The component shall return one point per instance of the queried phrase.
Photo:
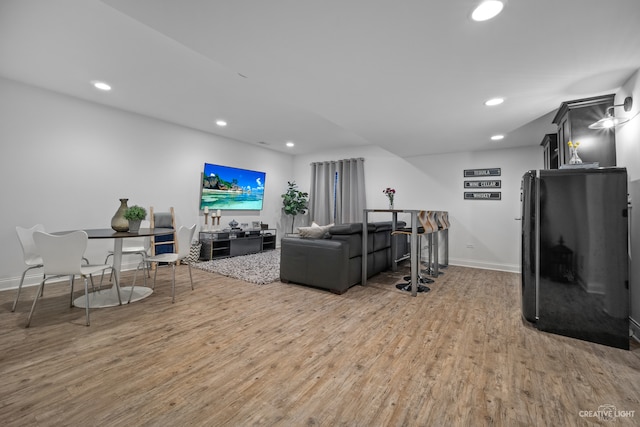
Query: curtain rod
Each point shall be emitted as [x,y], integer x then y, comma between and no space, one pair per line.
[337,161]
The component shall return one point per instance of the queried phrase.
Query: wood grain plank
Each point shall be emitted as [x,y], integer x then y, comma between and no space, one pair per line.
[233,353]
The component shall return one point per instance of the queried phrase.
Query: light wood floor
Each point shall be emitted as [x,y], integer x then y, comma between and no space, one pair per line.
[232,353]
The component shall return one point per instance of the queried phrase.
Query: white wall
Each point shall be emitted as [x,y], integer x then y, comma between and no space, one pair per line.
[436,183]
[628,155]
[66,162]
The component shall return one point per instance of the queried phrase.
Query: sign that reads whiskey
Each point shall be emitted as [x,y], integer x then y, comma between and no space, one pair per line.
[479,173]
[482,195]
[483,184]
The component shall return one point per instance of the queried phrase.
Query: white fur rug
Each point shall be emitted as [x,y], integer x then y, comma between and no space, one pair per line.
[260,268]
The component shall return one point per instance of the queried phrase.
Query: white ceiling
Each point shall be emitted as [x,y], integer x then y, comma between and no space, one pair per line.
[410,76]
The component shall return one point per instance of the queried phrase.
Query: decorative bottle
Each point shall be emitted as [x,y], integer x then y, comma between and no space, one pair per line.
[575,159]
[119,222]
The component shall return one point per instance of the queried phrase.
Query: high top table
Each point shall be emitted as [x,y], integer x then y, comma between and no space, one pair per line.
[109,297]
[415,262]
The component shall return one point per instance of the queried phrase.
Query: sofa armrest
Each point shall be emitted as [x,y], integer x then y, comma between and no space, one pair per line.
[322,263]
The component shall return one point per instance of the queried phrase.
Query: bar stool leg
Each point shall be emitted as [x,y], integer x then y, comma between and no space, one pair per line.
[421,280]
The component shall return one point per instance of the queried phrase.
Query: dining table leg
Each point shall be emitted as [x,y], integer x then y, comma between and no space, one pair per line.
[117,258]
[415,262]
[363,279]
[394,246]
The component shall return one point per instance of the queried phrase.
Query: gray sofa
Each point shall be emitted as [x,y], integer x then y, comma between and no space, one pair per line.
[334,262]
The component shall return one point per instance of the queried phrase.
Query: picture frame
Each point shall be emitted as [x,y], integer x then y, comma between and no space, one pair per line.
[482,195]
[496,183]
[481,173]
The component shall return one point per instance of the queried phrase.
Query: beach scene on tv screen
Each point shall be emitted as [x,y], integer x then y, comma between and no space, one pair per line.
[229,188]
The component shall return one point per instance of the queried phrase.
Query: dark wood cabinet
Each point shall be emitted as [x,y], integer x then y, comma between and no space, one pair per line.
[573,120]
[551,153]
[227,243]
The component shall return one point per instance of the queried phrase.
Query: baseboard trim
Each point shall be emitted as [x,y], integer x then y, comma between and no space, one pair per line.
[13,282]
[634,327]
[10,283]
[510,268]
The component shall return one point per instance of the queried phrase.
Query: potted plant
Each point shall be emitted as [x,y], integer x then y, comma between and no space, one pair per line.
[135,214]
[294,201]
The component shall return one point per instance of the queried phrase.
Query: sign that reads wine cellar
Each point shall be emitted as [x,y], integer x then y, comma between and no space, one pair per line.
[483,184]
[482,195]
[479,173]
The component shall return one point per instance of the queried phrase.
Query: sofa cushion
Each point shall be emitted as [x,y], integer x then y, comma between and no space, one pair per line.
[314,232]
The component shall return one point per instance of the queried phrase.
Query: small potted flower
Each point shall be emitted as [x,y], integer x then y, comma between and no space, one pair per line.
[135,214]
[390,193]
[573,151]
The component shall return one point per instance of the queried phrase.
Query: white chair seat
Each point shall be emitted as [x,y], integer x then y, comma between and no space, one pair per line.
[88,269]
[185,234]
[131,250]
[167,257]
[135,245]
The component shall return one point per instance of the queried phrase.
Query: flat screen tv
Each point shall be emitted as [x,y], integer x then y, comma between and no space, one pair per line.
[228,188]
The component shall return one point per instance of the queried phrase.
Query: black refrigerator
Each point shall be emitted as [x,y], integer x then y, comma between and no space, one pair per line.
[575,254]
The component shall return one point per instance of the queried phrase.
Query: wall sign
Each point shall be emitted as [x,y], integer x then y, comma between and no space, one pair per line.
[479,173]
[482,195]
[483,184]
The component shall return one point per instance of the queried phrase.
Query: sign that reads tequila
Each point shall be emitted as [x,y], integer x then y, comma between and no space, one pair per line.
[482,195]
[479,173]
[483,184]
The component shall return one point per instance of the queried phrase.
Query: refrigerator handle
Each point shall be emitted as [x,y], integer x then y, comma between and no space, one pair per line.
[537,244]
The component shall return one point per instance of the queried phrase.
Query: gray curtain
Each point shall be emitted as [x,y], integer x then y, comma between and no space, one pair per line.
[337,193]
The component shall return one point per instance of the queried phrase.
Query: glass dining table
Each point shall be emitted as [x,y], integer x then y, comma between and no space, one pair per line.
[108,297]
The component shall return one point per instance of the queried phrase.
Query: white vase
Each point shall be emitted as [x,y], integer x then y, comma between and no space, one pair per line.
[575,159]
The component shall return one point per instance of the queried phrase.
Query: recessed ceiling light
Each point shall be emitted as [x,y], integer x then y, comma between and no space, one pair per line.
[494,101]
[290,144]
[487,10]
[221,123]
[101,85]
[497,137]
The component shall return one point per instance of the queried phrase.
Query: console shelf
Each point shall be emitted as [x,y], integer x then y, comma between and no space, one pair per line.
[228,243]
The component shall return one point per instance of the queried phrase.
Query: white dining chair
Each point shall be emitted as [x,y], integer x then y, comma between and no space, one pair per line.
[133,246]
[62,256]
[30,254]
[32,258]
[185,234]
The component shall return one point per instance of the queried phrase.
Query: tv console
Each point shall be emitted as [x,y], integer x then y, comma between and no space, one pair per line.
[228,243]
